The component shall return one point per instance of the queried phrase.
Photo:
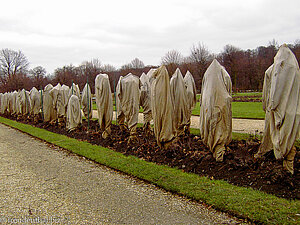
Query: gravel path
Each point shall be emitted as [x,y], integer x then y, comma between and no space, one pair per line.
[42,183]
[238,125]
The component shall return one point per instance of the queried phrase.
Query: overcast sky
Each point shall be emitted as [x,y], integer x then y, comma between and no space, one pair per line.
[55,33]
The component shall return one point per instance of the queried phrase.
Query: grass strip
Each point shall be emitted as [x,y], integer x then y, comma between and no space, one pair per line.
[240,110]
[243,202]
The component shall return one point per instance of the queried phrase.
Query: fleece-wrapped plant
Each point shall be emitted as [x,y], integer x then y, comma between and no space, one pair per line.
[128,93]
[281,102]
[86,101]
[59,96]
[191,94]
[145,101]
[74,90]
[74,118]
[48,109]
[215,112]
[162,108]
[35,99]
[104,103]
[23,100]
[14,102]
[180,102]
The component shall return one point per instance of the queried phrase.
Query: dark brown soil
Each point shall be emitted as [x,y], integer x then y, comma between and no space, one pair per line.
[190,155]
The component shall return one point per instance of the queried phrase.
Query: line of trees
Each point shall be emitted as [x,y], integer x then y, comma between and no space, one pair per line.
[246,67]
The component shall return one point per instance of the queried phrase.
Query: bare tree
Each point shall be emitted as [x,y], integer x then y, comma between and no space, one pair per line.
[12,62]
[38,76]
[200,54]
[38,72]
[172,57]
[137,64]
[108,68]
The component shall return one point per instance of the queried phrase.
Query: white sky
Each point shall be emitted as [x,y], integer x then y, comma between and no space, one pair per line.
[62,32]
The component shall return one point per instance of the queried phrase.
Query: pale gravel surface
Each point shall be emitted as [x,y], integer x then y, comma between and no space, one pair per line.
[238,125]
[39,182]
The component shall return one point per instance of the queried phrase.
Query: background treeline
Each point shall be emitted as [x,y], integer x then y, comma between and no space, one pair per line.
[246,67]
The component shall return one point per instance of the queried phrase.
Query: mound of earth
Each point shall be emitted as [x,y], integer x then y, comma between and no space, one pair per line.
[189,154]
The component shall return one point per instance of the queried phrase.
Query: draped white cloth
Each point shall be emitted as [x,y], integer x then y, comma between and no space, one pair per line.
[104,103]
[145,100]
[50,113]
[74,118]
[281,102]
[35,99]
[86,101]
[162,107]
[191,93]
[180,102]
[215,112]
[129,98]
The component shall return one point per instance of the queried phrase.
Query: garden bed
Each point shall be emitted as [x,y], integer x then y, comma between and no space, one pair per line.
[190,155]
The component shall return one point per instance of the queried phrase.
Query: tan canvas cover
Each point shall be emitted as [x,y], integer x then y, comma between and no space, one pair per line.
[129,96]
[104,103]
[162,108]
[74,118]
[18,103]
[65,94]
[215,111]
[86,101]
[191,93]
[2,103]
[145,100]
[49,111]
[35,99]
[24,102]
[14,107]
[180,102]
[118,105]
[281,101]
[59,96]
[9,103]
[150,75]
[75,91]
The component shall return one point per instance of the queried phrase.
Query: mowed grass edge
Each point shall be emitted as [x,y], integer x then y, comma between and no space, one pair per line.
[243,202]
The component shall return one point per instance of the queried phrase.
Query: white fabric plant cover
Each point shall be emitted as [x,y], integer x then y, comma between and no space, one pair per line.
[145,99]
[162,108]
[74,118]
[18,103]
[129,97]
[86,101]
[24,102]
[49,111]
[10,103]
[60,99]
[215,112]
[15,106]
[2,103]
[76,91]
[65,94]
[150,75]
[281,101]
[191,93]
[180,102]
[35,99]
[118,104]
[104,103]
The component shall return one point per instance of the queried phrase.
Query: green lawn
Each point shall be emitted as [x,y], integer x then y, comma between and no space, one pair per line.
[243,110]
[249,110]
[240,201]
